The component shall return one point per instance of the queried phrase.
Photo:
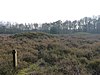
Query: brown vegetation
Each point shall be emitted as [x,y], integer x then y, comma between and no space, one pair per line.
[44,54]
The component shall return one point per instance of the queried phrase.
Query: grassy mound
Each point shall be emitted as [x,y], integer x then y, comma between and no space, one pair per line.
[32,35]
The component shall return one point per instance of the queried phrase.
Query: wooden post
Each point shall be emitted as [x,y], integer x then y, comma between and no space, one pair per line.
[14,52]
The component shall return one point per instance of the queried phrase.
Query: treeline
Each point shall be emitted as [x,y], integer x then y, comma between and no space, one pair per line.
[86,24]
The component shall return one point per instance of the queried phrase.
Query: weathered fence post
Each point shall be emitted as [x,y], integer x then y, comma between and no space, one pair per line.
[14,52]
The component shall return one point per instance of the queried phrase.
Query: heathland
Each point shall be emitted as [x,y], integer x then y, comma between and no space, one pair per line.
[49,54]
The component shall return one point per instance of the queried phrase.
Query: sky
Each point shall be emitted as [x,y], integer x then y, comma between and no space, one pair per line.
[41,11]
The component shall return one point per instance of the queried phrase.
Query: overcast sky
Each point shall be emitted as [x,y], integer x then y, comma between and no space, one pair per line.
[41,11]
